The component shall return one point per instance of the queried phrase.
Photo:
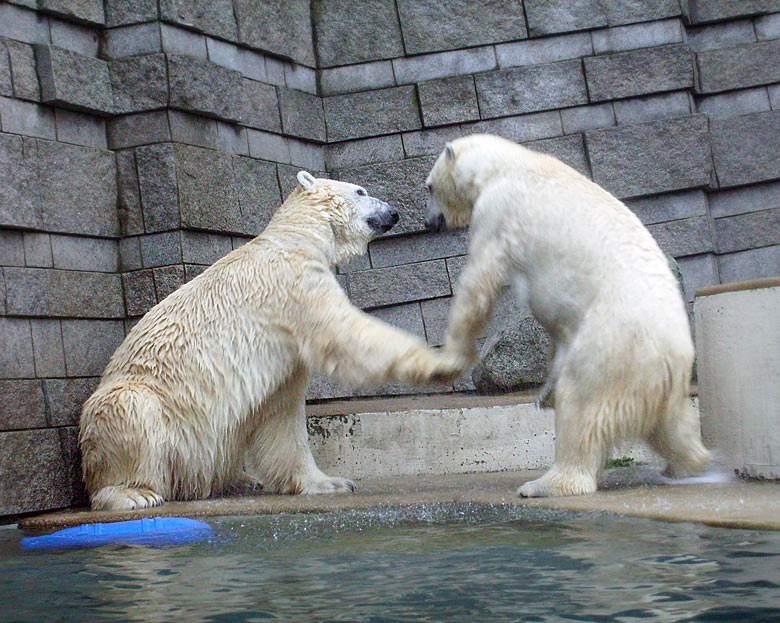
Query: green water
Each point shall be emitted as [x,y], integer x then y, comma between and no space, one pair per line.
[453,563]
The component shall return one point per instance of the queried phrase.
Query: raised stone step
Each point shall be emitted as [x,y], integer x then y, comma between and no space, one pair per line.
[443,434]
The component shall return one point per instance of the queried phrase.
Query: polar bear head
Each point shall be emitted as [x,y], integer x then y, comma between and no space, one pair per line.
[457,177]
[355,217]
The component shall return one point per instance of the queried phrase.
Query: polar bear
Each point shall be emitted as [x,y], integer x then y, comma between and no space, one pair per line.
[213,378]
[594,277]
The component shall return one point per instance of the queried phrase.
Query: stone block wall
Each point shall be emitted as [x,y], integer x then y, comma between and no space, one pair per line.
[142,140]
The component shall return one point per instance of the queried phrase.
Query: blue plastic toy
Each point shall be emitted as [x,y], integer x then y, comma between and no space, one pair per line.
[158,531]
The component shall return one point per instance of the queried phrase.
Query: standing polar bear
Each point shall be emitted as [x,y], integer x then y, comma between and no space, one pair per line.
[596,280]
[214,376]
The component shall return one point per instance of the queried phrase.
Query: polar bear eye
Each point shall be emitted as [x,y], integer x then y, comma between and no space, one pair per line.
[361,192]
[429,188]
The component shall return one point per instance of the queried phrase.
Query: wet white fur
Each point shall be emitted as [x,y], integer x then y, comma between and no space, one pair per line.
[214,376]
[596,280]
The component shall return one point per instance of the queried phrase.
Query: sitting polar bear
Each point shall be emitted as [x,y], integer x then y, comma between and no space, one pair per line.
[596,280]
[214,376]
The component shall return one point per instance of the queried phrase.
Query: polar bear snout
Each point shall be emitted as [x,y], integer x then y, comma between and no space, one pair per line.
[383,218]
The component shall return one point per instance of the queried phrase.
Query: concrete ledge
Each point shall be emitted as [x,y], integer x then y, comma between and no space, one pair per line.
[745,505]
[739,286]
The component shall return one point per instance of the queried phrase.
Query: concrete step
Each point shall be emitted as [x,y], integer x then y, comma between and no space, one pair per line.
[439,434]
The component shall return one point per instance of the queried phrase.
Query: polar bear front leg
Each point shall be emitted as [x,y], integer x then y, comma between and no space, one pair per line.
[279,456]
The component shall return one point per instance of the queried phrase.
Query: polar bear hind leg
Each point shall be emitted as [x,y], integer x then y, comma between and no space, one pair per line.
[122,466]
[279,456]
[677,438]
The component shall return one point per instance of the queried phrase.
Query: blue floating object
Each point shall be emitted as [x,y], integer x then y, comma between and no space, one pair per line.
[157,531]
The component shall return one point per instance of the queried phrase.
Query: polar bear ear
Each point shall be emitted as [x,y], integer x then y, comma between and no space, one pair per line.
[449,151]
[306,180]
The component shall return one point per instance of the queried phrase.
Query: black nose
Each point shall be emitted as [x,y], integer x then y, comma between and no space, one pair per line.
[394,216]
[435,223]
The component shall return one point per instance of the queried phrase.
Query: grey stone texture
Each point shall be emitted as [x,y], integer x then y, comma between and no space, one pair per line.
[546,50]
[302,114]
[688,236]
[89,344]
[37,250]
[364,151]
[722,35]
[27,118]
[752,264]
[23,25]
[429,142]
[192,129]
[80,129]
[650,107]
[645,35]
[371,113]
[75,37]
[448,100]
[73,80]
[214,17]
[200,86]
[282,27]
[140,295]
[746,199]
[158,188]
[180,41]
[407,317]
[521,128]
[261,106]
[739,67]
[6,82]
[361,77]
[451,24]
[16,349]
[23,405]
[748,231]
[138,129]
[547,17]
[66,397]
[698,12]
[81,253]
[168,279]
[23,70]
[410,249]
[77,189]
[139,83]
[122,12]
[48,350]
[399,284]
[744,149]
[161,249]
[651,158]
[62,293]
[582,118]
[669,207]
[411,69]
[11,248]
[568,149]
[401,184]
[356,31]
[90,11]
[734,103]
[35,472]
[529,89]
[19,194]
[638,72]
[513,358]
[131,41]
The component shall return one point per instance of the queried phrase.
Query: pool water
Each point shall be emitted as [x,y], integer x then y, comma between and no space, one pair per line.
[448,563]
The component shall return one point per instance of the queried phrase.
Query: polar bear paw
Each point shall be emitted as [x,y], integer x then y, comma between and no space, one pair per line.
[558,483]
[115,498]
[329,484]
